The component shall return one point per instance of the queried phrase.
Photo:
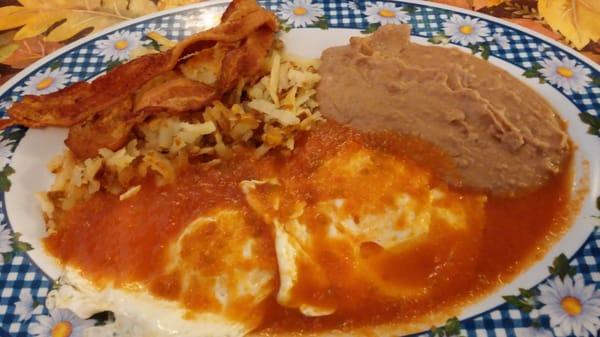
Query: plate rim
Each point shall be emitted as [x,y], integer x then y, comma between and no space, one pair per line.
[32,68]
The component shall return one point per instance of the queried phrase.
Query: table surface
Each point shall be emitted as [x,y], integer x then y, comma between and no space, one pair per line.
[30,29]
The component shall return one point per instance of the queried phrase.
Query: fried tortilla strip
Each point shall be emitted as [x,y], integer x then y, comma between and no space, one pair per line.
[178,94]
[205,66]
[225,64]
[109,129]
[6,122]
[245,62]
[241,18]
[60,108]
[81,101]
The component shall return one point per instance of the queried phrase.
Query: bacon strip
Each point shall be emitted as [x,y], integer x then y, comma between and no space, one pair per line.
[82,100]
[109,129]
[144,86]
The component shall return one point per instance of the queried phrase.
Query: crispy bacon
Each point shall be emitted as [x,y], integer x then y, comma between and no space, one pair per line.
[103,112]
[82,100]
[108,129]
[246,61]
[176,94]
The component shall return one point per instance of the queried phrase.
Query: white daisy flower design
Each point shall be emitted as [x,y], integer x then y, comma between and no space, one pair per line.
[116,46]
[566,74]
[60,323]
[26,306]
[573,307]
[5,153]
[500,40]
[5,240]
[353,6]
[466,31]
[154,28]
[385,13]
[208,18]
[45,82]
[5,105]
[300,13]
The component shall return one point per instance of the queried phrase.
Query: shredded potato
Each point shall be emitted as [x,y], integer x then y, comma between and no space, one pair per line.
[274,80]
[264,115]
[285,117]
[130,192]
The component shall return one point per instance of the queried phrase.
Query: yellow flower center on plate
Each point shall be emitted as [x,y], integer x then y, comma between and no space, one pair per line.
[571,305]
[45,83]
[300,11]
[62,329]
[564,72]
[386,13]
[466,29]
[121,44]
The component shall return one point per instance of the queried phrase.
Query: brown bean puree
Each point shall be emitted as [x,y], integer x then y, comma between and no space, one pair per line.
[501,135]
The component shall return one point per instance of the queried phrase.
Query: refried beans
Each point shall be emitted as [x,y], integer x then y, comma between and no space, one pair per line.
[501,136]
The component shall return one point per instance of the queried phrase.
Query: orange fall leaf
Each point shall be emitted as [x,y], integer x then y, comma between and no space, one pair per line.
[479,4]
[29,51]
[536,26]
[456,3]
[592,56]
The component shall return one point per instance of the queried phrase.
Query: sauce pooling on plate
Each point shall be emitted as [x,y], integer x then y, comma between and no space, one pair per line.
[350,228]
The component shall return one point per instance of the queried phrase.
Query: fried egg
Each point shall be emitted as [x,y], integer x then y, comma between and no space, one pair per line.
[159,318]
[219,267]
[366,211]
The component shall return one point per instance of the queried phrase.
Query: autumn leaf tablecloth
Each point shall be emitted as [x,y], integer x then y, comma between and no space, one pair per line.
[31,29]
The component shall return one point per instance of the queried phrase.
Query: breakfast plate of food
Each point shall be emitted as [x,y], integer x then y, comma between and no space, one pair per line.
[287,168]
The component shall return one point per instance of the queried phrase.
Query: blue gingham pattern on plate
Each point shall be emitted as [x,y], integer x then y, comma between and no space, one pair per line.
[84,62]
